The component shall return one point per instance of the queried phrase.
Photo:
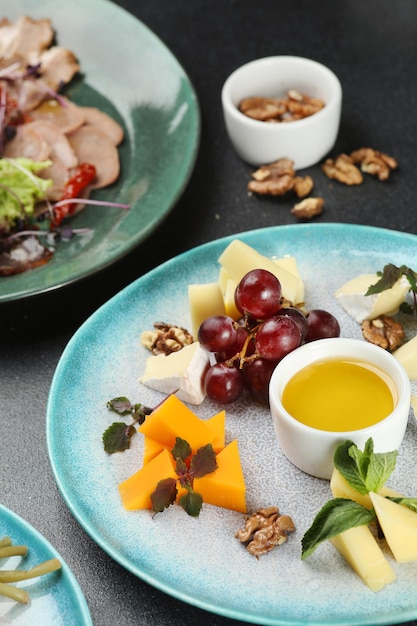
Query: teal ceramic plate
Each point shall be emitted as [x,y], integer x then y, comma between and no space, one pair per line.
[128,72]
[56,599]
[199,560]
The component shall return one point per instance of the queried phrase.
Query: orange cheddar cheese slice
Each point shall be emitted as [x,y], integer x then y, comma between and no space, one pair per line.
[152,447]
[136,490]
[225,486]
[172,419]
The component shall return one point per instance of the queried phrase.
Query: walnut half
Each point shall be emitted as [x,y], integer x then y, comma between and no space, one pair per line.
[383,331]
[166,338]
[265,529]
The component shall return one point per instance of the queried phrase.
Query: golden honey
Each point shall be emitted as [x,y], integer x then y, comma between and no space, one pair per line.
[339,395]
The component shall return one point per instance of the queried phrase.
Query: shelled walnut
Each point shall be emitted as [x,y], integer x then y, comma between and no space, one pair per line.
[295,106]
[265,529]
[308,208]
[383,331]
[278,178]
[166,338]
[343,169]
[374,162]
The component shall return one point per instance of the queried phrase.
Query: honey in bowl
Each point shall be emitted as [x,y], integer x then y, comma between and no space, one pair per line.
[339,395]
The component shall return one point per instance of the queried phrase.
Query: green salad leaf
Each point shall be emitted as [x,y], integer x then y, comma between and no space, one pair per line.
[21,188]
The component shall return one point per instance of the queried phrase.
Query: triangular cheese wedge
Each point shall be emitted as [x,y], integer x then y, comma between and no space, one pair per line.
[225,486]
[341,489]
[359,548]
[399,525]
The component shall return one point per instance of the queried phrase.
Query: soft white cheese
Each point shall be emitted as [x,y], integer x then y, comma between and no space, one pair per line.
[181,372]
[352,297]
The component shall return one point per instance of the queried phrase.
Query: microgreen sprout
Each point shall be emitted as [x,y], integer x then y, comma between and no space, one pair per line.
[118,435]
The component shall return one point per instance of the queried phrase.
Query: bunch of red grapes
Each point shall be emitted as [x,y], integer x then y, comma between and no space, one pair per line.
[245,352]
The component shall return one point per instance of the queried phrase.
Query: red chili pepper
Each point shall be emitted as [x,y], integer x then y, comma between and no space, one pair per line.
[84,175]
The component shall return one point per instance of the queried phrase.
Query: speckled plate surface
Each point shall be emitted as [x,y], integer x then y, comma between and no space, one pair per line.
[198,560]
[141,84]
[56,599]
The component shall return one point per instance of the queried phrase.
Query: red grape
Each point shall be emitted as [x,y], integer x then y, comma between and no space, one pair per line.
[236,347]
[217,333]
[223,384]
[321,325]
[258,294]
[256,376]
[298,316]
[276,337]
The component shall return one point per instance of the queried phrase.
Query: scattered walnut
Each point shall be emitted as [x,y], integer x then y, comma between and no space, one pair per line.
[278,178]
[264,530]
[383,331]
[295,106]
[308,208]
[166,338]
[343,169]
[374,162]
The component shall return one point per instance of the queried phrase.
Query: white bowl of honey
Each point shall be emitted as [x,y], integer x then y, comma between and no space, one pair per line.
[331,390]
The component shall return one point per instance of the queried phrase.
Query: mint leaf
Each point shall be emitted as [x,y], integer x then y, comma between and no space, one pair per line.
[364,471]
[164,494]
[117,437]
[334,517]
[181,450]
[191,502]
[410,503]
[203,462]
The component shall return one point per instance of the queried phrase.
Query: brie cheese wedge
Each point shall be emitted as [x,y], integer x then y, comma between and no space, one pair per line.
[180,372]
[352,297]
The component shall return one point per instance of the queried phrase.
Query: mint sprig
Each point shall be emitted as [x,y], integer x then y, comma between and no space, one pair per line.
[364,471]
[187,467]
[336,516]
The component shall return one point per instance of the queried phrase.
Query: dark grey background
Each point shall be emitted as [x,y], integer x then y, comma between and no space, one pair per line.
[372,47]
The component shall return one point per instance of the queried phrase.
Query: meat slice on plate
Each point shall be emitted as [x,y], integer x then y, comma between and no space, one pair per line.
[107,124]
[25,36]
[63,113]
[92,145]
[27,143]
[58,66]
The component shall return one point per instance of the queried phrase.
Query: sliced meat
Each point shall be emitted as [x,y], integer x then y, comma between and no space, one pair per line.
[68,116]
[61,154]
[107,124]
[93,146]
[60,146]
[58,66]
[24,37]
[28,143]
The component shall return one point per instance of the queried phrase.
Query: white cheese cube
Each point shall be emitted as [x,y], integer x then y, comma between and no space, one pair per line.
[352,297]
[180,372]
[204,301]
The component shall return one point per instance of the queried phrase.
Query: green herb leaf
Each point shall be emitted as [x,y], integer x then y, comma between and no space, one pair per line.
[191,502]
[120,405]
[334,517]
[389,276]
[364,471]
[164,494]
[410,503]
[117,437]
[203,462]
[181,450]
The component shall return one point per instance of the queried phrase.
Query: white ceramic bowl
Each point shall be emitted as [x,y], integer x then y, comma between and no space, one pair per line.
[304,141]
[311,449]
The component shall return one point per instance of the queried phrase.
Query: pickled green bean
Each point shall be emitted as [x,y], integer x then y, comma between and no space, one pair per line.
[14,593]
[15,575]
